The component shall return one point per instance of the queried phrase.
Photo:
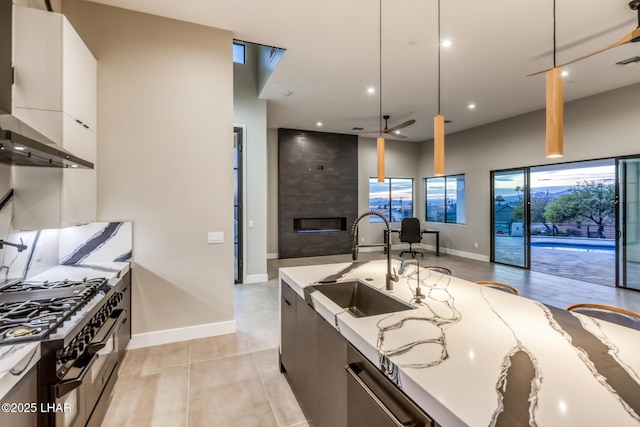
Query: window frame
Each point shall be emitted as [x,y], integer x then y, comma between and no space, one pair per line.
[445,205]
[244,52]
[389,216]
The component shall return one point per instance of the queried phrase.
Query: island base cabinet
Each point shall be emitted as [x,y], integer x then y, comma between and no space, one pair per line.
[374,401]
[332,381]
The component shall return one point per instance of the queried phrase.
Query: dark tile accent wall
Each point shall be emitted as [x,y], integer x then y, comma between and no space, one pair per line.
[317,178]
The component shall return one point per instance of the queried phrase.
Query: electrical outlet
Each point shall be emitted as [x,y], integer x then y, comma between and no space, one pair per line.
[215,237]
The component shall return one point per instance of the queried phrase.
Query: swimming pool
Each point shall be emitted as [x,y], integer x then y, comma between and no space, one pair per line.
[574,247]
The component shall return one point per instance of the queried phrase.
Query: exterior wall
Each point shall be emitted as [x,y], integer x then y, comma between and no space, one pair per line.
[165,113]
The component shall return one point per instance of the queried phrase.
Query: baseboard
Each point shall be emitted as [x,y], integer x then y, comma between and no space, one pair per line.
[256,278]
[181,334]
[455,252]
[272,255]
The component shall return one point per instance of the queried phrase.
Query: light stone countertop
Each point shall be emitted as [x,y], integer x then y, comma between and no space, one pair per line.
[457,354]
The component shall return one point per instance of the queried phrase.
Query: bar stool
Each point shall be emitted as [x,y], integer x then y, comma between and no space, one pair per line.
[499,286]
[609,313]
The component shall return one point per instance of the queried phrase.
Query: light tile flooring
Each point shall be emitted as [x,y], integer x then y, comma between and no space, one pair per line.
[228,380]
[233,380]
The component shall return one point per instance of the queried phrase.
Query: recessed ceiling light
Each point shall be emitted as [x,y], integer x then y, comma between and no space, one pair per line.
[74,166]
[446,43]
[565,73]
[471,106]
[319,124]
[287,93]
[371,90]
[20,148]
[397,132]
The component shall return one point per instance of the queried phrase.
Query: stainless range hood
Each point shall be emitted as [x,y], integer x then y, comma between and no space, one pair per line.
[20,144]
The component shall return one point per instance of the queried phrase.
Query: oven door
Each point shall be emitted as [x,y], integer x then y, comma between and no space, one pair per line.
[101,377]
[68,395]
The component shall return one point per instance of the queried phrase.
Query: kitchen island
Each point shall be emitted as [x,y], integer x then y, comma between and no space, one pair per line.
[476,356]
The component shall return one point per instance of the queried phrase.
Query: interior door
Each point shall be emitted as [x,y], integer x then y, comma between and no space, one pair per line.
[628,218]
[510,217]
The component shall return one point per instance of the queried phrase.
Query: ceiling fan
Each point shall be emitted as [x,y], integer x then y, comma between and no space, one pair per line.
[632,37]
[392,130]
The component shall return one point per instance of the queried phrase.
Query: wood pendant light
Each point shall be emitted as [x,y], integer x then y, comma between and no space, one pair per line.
[380,137]
[438,120]
[438,145]
[555,113]
[380,159]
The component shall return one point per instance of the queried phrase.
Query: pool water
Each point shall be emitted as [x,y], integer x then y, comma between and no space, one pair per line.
[575,248]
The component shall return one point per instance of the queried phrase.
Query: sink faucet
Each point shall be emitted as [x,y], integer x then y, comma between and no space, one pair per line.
[20,246]
[418,296]
[389,278]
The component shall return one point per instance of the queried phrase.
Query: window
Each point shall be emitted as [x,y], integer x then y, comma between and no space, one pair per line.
[238,53]
[445,199]
[393,198]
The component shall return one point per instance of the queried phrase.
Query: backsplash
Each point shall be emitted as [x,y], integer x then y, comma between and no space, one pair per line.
[82,245]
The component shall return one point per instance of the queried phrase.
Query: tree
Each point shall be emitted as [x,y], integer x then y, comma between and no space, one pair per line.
[519,190]
[538,204]
[589,200]
[499,199]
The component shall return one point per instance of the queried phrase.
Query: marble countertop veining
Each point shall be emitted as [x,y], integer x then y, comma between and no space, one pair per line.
[467,352]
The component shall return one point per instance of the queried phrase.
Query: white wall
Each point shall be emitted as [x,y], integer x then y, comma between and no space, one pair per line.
[601,126]
[165,132]
[251,112]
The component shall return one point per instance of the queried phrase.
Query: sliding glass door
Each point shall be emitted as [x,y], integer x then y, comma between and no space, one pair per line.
[628,241]
[510,217]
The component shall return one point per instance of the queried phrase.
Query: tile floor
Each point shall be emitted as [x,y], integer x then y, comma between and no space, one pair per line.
[233,380]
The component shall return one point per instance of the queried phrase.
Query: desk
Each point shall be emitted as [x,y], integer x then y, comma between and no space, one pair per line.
[422,231]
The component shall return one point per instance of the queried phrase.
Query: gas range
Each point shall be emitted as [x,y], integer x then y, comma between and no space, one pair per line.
[83,329]
[32,310]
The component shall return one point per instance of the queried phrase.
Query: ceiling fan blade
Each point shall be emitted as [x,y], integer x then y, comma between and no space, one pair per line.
[400,126]
[626,39]
[396,136]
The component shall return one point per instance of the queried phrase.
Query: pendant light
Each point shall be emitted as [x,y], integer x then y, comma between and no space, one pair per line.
[438,121]
[380,141]
[555,104]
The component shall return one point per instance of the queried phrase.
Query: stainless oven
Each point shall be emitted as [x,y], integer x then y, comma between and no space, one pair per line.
[79,369]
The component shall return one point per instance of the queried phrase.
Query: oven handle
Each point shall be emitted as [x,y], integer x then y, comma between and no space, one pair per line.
[64,386]
[101,338]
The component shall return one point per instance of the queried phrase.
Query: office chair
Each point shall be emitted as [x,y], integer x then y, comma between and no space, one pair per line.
[609,313]
[410,233]
[499,286]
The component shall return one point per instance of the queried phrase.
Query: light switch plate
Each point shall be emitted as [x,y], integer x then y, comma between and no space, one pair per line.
[215,237]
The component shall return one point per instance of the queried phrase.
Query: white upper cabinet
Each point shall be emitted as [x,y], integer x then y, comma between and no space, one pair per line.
[55,73]
[55,92]
[79,78]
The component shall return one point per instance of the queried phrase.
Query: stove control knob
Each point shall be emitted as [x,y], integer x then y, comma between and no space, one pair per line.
[80,346]
[73,354]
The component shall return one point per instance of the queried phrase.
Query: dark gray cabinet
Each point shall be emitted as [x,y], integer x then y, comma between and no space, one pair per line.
[334,384]
[310,359]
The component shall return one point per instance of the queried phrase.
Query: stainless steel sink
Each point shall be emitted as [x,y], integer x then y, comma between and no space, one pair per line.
[361,300]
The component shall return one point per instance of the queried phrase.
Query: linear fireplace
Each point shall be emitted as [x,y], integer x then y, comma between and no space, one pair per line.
[319,225]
